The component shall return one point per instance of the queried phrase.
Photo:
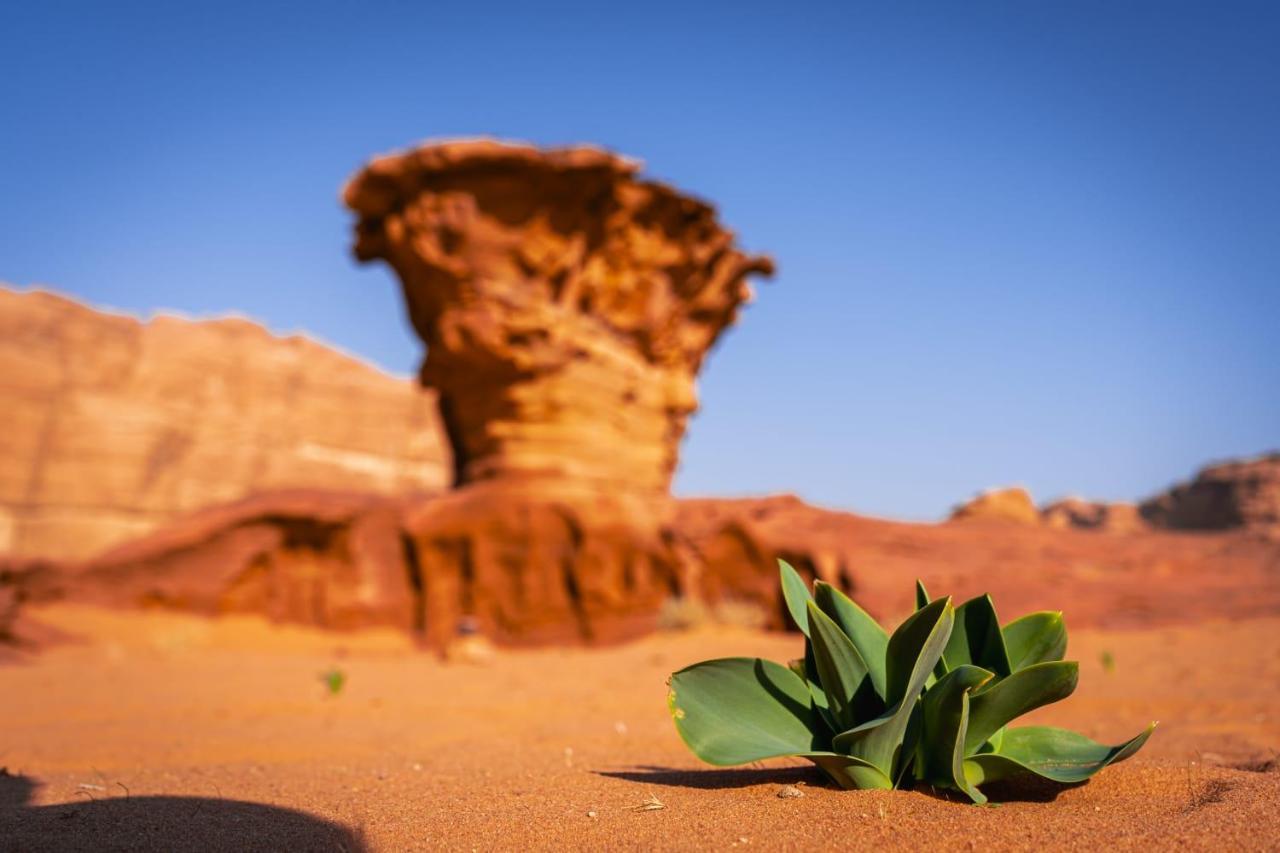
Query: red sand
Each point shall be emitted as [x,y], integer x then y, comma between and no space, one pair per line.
[168,732]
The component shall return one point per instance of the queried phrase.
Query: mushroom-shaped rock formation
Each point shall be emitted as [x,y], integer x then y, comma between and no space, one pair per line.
[566,306]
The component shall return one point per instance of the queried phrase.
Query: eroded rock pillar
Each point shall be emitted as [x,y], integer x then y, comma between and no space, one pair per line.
[566,306]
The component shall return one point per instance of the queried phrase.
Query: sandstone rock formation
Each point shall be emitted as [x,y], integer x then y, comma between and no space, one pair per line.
[1241,493]
[566,306]
[1143,579]
[343,560]
[328,559]
[1007,505]
[1092,515]
[110,426]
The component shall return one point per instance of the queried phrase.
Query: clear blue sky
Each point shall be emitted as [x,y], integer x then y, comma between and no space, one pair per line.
[1018,242]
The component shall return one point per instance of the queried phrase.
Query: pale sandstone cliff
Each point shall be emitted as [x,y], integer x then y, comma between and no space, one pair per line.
[110,426]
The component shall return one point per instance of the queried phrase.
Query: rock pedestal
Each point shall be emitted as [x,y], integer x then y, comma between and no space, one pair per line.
[566,306]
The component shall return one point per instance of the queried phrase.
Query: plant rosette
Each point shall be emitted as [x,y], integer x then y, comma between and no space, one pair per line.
[930,703]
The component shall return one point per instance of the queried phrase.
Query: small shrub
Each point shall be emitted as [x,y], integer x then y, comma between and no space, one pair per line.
[334,680]
[930,703]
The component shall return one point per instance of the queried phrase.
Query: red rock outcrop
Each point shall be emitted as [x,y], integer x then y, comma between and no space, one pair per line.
[1240,493]
[328,559]
[1153,577]
[1008,505]
[337,560]
[110,427]
[566,306]
[1092,515]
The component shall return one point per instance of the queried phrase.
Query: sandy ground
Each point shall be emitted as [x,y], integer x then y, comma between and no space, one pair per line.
[161,732]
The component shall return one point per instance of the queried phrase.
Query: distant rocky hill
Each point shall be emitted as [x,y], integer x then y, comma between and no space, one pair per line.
[110,426]
[1240,493]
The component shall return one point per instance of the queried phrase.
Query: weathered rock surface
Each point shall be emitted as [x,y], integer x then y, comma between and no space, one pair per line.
[566,305]
[1008,505]
[346,560]
[328,559]
[340,560]
[1150,578]
[110,426]
[1240,493]
[1092,515]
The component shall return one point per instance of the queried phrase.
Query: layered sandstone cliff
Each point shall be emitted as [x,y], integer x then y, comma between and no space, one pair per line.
[110,426]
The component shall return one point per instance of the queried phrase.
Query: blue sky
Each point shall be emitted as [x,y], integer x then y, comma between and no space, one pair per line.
[1031,243]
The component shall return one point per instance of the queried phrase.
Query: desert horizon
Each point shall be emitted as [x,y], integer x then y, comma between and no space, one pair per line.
[840,427]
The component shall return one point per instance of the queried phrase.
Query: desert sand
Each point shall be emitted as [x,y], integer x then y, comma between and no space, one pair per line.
[170,732]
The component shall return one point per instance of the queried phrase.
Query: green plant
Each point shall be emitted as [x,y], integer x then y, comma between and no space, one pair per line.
[929,703]
[334,680]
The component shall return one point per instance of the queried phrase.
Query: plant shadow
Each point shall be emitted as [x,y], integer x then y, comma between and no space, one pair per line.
[740,777]
[160,823]
[1031,789]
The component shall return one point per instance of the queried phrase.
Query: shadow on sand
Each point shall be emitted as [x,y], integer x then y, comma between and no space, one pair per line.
[1024,790]
[710,779]
[159,823]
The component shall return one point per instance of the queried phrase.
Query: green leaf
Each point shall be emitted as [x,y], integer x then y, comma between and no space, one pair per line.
[1035,638]
[1056,754]
[977,639]
[912,652]
[1009,698]
[940,668]
[922,595]
[737,710]
[915,646]
[946,720]
[849,772]
[867,636]
[840,667]
[796,593]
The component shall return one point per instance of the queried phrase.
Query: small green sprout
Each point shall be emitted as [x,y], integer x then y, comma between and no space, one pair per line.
[929,703]
[334,680]
[1108,661]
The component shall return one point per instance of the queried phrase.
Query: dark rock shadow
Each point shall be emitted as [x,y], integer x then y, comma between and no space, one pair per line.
[738,777]
[160,824]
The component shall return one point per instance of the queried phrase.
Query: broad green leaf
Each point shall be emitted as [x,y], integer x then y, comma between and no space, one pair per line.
[796,594]
[939,669]
[867,636]
[849,772]
[1035,638]
[840,667]
[914,647]
[737,710]
[815,688]
[1056,754]
[1007,699]
[946,720]
[912,652]
[976,638]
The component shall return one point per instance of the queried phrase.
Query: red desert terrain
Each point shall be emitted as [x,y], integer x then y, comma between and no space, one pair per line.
[257,595]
